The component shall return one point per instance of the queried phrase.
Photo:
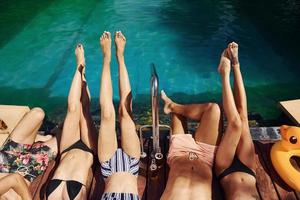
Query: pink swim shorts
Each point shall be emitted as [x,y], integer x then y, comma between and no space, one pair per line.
[184,144]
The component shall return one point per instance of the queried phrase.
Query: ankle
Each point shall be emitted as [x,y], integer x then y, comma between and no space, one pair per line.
[106,59]
[225,74]
[235,61]
[120,55]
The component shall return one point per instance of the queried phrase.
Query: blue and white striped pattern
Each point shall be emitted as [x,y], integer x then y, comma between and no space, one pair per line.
[119,196]
[120,162]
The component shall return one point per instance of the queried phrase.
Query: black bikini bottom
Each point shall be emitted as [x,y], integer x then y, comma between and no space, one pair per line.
[236,166]
[73,187]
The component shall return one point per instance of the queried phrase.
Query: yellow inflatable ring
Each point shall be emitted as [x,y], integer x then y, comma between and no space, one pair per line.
[281,153]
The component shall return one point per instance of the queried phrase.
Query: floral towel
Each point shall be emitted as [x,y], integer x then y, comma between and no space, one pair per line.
[28,160]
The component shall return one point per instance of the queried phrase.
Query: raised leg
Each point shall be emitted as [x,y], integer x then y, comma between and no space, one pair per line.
[107,140]
[207,114]
[129,138]
[88,132]
[71,131]
[178,124]
[230,140]
[17,183]
[245,149]
[26,130]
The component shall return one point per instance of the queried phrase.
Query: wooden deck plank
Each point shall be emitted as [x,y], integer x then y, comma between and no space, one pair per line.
[284,191]
[264,182]
[292,110]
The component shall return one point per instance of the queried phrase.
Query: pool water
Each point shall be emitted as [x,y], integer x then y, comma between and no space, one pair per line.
[183,38]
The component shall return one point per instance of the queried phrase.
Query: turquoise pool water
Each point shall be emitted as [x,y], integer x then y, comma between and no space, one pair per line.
[183,38]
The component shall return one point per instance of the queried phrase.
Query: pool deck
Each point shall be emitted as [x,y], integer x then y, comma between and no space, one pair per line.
[151,186]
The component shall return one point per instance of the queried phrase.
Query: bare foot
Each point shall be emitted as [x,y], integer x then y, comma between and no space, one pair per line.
[233,52]
[120,41]
[224,66]
[168,102]
[79,52]
[105,43]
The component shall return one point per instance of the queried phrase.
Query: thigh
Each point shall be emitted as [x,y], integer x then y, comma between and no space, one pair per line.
[245,149]
[107,140]
[178,124]
[71,132]
[26,130]
[129,138]
[208,129]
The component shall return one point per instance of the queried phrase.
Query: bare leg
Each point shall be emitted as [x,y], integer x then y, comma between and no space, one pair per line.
[26,130]
[17,183]
[107,141]
[245,149]
[88,131]
[207,114]
[71,131]
[178,124]
[230,140]
[129,139]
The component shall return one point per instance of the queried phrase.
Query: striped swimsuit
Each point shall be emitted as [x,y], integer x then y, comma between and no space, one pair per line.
[120,162]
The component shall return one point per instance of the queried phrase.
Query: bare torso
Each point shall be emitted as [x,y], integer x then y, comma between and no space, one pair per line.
[239,185]
[74,165]
[188,179]
[121,182]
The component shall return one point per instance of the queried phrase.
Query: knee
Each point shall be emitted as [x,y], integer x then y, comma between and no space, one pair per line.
[243,116]
[38,113]
[73,107]
[214,110]
[235,123]
[107,112]
[123,111]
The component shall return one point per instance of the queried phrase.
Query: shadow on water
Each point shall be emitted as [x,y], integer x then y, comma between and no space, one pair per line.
[15,15]
[209,24]
[213,24]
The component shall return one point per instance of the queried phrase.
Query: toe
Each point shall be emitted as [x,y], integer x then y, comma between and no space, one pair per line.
[108,35]
[163,94]
[121,34]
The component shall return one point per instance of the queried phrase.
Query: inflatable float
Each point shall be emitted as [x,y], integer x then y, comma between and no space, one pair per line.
[282,153]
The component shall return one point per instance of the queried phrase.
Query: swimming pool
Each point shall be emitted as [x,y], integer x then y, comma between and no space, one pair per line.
[183,38]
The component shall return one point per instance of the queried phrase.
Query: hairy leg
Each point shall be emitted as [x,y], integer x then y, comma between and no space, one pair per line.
[245,149]
[207,114]
[26,130]
[17,183]
[71,131]
[129,138]
[230,140]
[107,140]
